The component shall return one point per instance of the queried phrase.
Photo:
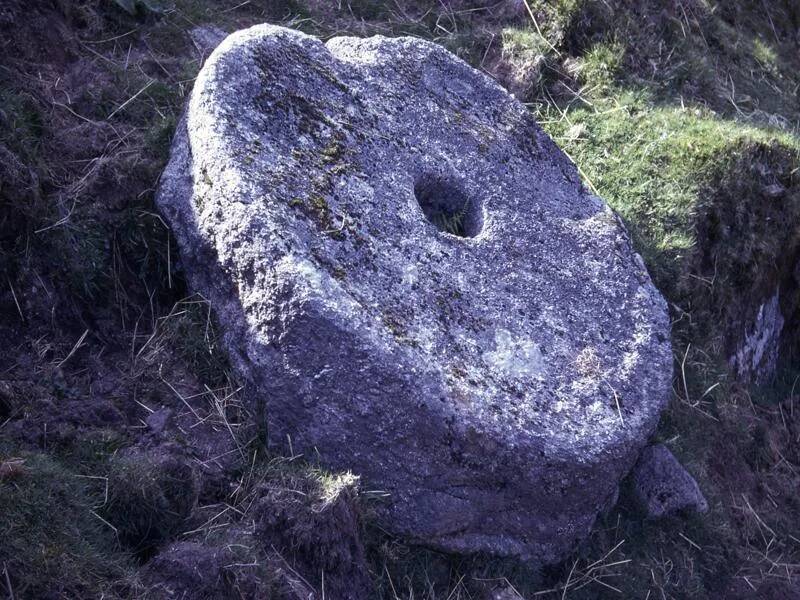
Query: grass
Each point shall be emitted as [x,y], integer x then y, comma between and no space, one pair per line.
[601,67]
[149,500]
[54,542]
[653,165]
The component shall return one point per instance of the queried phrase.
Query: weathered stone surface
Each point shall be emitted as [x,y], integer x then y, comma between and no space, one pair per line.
[662,487]
[415,282]
[756,357]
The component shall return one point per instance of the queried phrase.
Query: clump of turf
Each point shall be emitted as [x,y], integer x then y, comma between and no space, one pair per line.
[150,497]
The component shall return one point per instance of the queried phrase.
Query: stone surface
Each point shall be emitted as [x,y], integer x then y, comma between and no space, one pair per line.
[662,487]
[416,285]
[160,420]
[756,357]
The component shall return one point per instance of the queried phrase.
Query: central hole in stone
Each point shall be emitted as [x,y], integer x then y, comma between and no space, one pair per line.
[447,206]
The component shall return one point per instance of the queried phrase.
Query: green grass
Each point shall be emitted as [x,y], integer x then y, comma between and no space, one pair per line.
[601,67]
[653,165]
[54,542]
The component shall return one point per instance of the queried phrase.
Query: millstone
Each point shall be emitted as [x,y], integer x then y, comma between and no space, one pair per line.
[414,281]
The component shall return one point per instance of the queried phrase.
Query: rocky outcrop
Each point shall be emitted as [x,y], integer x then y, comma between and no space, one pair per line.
[756,357]
[417,286]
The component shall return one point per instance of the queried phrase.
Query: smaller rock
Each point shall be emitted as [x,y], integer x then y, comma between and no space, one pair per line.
[160,420]
[206,37]
[228,569]
[775,190]
[186,568]
[756,358]
[662,487]
[231,566]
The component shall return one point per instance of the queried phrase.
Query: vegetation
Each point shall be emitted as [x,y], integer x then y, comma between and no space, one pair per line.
[685,118]
[54,541]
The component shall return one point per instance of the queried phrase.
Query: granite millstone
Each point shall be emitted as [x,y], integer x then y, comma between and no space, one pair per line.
[413,280]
